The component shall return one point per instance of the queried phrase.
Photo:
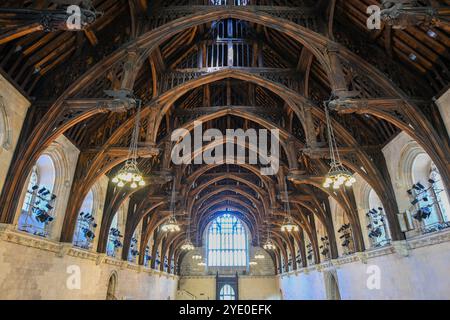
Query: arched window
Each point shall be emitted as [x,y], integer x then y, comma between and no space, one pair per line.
[38,204]
[86,225]
[227,242]
[114,238]
[332,288]
[377,224]
[133,252]
[440,192]
[227,293]
[112,287]
[428,195]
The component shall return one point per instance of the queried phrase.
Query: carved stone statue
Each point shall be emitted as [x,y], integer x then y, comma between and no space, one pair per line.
[401,14]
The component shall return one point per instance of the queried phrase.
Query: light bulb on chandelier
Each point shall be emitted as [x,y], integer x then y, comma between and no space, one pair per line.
[171,225]
[130,174]
[338,175]
[187,246]
[269,245]
[288,225]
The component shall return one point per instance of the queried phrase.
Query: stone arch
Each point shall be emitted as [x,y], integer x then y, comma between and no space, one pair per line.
[111,291]
[60,182]
[331,285]
[409,154]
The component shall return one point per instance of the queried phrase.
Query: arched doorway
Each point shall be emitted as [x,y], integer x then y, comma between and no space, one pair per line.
[112,287]
[331,286]
[227,293]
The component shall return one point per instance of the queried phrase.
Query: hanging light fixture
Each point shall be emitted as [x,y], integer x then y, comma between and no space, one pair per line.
[196,257]
[188,246]
[338,175]
[253,263]
[171,225]
[288,224]
[201,264]
[269,244]
[130,173]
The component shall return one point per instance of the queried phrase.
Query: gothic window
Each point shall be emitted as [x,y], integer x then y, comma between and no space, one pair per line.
[37,207]
[114,238]
[227,242]
[428,195]
[86,225]
[227,293]
[376,219]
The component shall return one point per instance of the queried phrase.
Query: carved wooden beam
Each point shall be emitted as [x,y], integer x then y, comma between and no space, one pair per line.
[401,14]
[24,21]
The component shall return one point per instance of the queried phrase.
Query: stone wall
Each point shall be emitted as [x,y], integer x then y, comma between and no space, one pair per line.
[250,288]
[443,104]
[416,269]
[35,268]
[13,109]
[259,288]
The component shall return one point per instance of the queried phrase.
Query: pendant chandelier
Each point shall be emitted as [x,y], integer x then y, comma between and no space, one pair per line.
[288,224]
[130,173]
[196,257]
[188,246]
[171,225]
[338,175]
[253,263]
[269,244]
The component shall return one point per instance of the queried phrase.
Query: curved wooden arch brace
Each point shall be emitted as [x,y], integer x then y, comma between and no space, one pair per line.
[301,220]
[113,201]
[252,220]
[231,176]
[225,140]
[137,51]
[254,215]
[256,212]
[59,118]
[408,117]
[326,222]
[99,161]
[207,167]
[260,203]
[351,212]
[134,218]
[99,165]
[169,97]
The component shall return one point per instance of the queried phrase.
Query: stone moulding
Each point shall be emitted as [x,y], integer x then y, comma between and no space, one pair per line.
[401,248]
[9,234]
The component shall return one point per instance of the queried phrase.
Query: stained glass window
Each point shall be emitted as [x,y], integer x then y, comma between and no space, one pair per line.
[227,242]
[227,293]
